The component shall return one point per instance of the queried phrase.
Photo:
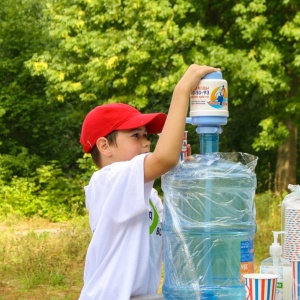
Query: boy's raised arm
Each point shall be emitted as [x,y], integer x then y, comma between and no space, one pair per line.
[168,148]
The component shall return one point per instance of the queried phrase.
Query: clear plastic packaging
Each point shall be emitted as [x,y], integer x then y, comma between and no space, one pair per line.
[291,223]
[209,226]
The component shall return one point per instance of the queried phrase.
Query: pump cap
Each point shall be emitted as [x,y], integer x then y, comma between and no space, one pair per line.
[213,75]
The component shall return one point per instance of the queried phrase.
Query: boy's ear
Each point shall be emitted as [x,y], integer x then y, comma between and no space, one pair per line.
[103,146]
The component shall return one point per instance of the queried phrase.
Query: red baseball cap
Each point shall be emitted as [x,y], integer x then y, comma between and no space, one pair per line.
[104,119]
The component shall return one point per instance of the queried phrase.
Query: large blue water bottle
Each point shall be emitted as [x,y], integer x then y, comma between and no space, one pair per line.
[209,226]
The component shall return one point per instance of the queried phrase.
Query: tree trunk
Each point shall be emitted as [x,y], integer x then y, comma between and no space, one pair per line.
[286,165]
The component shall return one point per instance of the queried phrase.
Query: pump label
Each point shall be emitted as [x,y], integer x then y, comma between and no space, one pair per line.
[247,258]
[210,95]
[183,153]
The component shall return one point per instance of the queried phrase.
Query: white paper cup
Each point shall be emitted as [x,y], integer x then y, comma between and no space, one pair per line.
[296,279]
[260,286]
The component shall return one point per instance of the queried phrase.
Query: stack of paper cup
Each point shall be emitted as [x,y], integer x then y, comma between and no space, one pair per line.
[291,249]
[260,286]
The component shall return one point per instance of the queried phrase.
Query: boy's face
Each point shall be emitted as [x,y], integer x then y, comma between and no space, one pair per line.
[130,143]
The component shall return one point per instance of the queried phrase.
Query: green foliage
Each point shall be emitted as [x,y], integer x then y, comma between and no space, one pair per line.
[48,192]
[270,136]
[20,164]
[61,58]
[47,130]
[111,51]
[268,219]
[136,52]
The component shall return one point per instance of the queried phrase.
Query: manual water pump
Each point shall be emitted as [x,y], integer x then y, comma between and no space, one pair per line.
[209,110]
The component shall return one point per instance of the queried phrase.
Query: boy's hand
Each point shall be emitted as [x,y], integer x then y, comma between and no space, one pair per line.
[189,149]
[192,77]
[189,156]
[167,151]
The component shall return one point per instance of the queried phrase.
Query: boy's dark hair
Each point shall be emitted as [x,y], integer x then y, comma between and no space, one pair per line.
[112,140]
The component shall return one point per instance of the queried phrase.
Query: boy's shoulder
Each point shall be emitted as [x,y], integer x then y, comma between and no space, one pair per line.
[119,168]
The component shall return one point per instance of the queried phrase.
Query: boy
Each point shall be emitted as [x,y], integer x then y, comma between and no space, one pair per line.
[124,256]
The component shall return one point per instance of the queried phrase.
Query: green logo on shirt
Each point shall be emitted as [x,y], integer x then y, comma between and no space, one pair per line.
[155,218]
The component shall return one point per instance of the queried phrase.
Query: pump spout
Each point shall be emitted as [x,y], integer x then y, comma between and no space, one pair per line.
[209,143]
[209,136]
[275,248]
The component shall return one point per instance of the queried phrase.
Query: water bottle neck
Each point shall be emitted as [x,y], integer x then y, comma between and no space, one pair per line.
[209,143]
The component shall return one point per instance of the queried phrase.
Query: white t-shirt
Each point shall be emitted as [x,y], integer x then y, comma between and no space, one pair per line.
[125,253]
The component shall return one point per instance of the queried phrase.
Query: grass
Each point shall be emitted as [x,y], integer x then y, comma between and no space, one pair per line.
[268,219]
[43,260]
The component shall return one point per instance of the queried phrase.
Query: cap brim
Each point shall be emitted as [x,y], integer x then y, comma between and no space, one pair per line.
[154,122]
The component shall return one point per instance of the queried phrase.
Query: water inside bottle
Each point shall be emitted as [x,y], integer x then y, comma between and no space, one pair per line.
[209,226]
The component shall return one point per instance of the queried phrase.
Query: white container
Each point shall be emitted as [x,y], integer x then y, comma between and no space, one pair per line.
[210,98]
[280,266]
[291,224]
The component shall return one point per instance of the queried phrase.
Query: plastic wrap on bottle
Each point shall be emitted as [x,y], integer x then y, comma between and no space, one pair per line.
[209,226]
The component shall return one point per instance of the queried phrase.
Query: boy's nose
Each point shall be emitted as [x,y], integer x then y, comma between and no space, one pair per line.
[146,143]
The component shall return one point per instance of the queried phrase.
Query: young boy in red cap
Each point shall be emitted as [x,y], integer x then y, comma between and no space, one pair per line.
[125,253]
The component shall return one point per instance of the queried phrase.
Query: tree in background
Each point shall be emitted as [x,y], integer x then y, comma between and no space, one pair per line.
[34,129]
[269,32]
[91,51]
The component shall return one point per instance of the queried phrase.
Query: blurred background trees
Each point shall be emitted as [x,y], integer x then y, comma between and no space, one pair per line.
[60,58]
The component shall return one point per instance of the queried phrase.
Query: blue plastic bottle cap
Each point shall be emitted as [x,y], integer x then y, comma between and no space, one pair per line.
[213,75]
